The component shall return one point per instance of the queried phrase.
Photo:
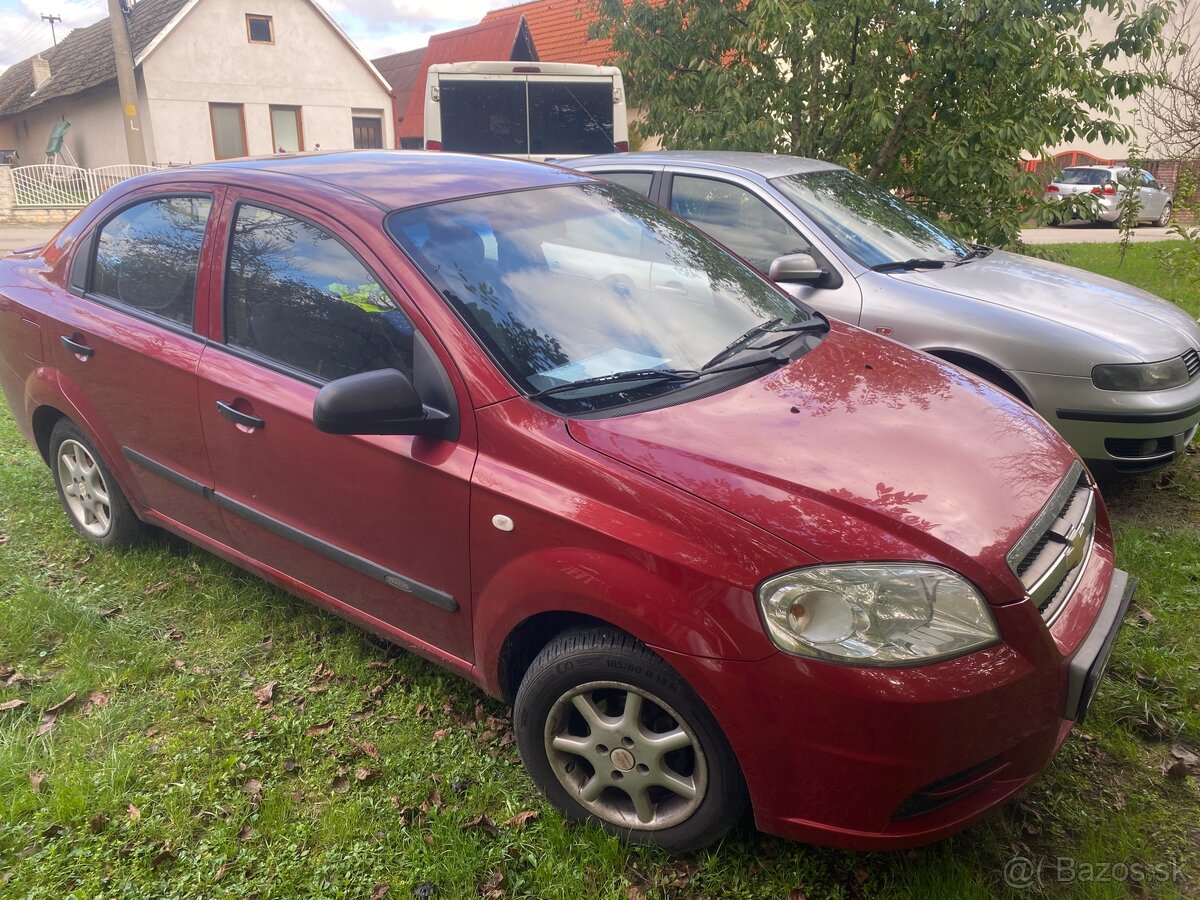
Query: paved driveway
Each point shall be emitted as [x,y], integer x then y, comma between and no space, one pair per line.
[18,238]
[1089,233]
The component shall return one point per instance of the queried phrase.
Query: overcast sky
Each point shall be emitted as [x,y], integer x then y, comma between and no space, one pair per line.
[379,27]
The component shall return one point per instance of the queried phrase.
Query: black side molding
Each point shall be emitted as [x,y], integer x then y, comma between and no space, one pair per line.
[400,582]
[1084,415]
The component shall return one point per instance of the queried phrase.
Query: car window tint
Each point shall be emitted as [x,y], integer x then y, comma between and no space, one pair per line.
[1084,176]
[635,181]
[147,256]
[296,295]
[736,218]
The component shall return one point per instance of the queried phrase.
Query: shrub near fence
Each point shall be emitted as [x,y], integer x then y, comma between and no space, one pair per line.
[53,185]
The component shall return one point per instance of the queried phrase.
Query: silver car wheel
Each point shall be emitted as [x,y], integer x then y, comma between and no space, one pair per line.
[84,488]
[626,756]
[1165,216]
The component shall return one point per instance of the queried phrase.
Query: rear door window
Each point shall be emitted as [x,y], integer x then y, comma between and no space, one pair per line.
[570,117]
[635,181]
[296,295]
[483,116]
[147,256]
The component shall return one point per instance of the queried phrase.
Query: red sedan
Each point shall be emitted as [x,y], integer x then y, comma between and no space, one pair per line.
[718,551]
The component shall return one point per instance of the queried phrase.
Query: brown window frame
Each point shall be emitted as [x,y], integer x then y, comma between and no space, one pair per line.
[299,125]
[212,124]
[270,27]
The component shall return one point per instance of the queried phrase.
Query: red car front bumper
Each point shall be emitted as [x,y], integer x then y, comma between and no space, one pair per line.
[890,758]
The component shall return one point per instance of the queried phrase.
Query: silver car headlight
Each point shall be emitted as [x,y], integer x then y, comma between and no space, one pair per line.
[1155,376]
[876,614]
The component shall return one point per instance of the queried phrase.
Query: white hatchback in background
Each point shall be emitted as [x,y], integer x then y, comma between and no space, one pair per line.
[1107,184]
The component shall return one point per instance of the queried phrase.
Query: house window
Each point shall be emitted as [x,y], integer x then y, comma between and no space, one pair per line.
[228,129]
[287,133]
[259,29]
[368,131]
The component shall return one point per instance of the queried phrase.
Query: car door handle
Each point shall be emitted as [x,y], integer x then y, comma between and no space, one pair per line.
[79,348]
[238,417]
[671,288]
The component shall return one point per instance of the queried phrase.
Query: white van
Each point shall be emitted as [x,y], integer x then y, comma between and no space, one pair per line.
[529,110]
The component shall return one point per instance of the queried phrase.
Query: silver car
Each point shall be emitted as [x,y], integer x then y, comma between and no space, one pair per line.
[1116,370]
[1107,184]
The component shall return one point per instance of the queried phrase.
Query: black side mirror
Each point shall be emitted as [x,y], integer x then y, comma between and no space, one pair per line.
[383,401]
[797,268]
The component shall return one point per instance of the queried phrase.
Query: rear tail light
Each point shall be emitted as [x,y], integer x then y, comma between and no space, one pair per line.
[433,145]
[526,70]
[1108,190]
[1052,189]
[621,146]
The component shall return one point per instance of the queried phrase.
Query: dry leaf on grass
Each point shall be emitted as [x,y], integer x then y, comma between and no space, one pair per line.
[322,728]
[95,700]
[266,694]
[35,781]
[521,819]
[12,704]
[134,813]
[341,783]
[366,747]
[381,890]
[482,822]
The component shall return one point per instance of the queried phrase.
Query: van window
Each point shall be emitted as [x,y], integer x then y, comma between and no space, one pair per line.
[570,118]
[484,116]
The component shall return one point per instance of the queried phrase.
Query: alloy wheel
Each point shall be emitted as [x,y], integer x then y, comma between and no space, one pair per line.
[83,486]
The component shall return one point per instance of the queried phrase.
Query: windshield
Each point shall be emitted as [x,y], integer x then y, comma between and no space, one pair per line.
[583,281]
[866,221]
[1084,176]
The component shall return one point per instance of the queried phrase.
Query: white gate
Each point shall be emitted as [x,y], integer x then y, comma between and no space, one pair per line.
[52,185]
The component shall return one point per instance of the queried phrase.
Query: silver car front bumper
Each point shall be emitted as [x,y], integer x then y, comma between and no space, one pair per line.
[1131,432]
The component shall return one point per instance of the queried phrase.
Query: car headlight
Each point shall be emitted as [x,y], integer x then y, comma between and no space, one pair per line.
[876,614]
[1156,376]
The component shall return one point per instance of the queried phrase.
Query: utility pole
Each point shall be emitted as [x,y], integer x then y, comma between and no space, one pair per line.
[126,84]
[52,20]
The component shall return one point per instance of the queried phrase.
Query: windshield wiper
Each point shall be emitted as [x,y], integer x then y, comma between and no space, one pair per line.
[615,378]
[977,252]
[771,326]
[909,264]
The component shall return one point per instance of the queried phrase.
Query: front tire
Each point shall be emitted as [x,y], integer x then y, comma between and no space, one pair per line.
[88,492]
[610,733]
[1164,217]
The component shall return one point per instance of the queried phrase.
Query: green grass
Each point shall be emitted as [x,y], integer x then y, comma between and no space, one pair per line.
[174,779]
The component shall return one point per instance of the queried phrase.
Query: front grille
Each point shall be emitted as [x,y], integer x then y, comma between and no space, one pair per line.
[1050,556]
[1191,359]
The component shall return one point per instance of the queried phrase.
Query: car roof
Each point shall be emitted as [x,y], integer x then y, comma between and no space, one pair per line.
[394,179]
[768,165]
[1097,168]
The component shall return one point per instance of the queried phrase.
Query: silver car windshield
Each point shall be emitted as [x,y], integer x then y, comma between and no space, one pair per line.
[591,282]
[866,221]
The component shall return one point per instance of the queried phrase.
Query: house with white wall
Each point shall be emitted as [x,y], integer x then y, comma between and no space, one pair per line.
[215,79]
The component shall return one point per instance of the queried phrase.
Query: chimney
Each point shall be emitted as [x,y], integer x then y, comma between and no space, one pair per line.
[41,72]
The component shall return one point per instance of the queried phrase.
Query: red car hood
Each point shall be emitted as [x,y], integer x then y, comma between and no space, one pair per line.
[861,449]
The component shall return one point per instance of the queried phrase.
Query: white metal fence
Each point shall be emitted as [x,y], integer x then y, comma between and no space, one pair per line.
[52,185]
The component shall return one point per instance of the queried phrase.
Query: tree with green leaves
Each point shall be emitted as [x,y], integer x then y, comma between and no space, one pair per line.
[937,99]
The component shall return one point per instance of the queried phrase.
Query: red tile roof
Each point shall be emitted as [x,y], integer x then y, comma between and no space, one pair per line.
[502,37]
[560,30]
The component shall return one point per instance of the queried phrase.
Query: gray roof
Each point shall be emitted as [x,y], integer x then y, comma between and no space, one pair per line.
[768,165]
[83,60]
